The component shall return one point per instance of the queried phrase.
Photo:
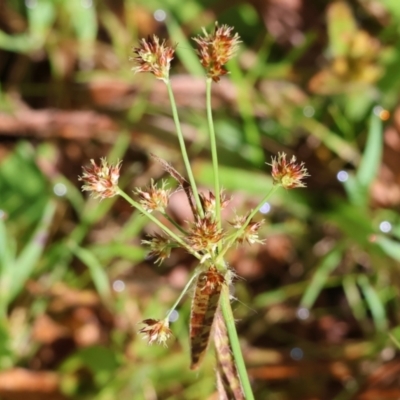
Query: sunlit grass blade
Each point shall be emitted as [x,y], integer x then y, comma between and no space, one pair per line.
[355,191]
[97,272]
[228,381]
[354,298]
[29,256]
[394,335]
[7,249]
[126,251]
[204,306]
[289,291]
[184,50]
[327,265]
[334,142]
[245,105]
[7,265]
[372,155]
[389,246]
[374,303]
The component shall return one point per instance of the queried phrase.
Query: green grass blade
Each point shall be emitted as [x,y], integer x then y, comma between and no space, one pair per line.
[5,256]
[327,265]
[389,246]
[185,51]
[395,336]
[289,291]
[372,156]
[332,140]
[97,272]
[354,298]
[29,256]
[6,268]
[374,303]
[251,132]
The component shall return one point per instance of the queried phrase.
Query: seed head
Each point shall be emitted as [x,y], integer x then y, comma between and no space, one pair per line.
[153,56]
[216,49]
[160,247]
[204,235]
[156,330]
[250,232]
[288,174]
[208,202]
[153,198]
[101,180]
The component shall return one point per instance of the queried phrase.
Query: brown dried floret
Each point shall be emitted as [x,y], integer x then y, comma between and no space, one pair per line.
[101,180]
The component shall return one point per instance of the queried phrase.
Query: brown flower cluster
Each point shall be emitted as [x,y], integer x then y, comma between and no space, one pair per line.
[153,198]
[160,247]
[156,331]
[204,235]
[216,49]
[250,231]
[208,202]
[101,180]
[288,174]
[153,56]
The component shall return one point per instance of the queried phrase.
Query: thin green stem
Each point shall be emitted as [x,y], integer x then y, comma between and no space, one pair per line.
[173,222]
[214,153]
[249,218]
[183,149]
[185,289]
[159,223]
[235,345]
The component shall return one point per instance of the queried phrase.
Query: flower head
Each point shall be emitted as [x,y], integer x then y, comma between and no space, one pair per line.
[154,198]
[288,174]
[250,232]
[204,235]
[156,330]
[153,56]
[101,180]
[216,49]
[160,247]
[208,202]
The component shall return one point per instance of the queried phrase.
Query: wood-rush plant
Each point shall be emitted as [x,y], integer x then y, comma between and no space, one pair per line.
[206,238]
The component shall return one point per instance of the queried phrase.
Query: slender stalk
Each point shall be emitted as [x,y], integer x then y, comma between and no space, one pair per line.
[185,289]
[183,149]
[173,222]
[214,154]
[235,345]
[159,223]
[249,218]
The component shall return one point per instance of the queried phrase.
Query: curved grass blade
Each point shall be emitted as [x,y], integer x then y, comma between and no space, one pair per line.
[31,253]
[228,381]
[371,158]
[204,307]
[374,303]
[97,273]
[327,265]
[354,298]
[184,50]
[389,246]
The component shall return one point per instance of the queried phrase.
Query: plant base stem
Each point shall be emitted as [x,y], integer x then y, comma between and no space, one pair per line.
[235,345]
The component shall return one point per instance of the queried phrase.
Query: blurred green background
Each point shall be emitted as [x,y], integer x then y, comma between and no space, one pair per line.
[317,307]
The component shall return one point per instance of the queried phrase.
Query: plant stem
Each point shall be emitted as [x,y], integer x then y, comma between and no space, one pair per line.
[214,154]
[159,223]
[234,342]
[177,226]
[183,149]
[249,218]
[185,289]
